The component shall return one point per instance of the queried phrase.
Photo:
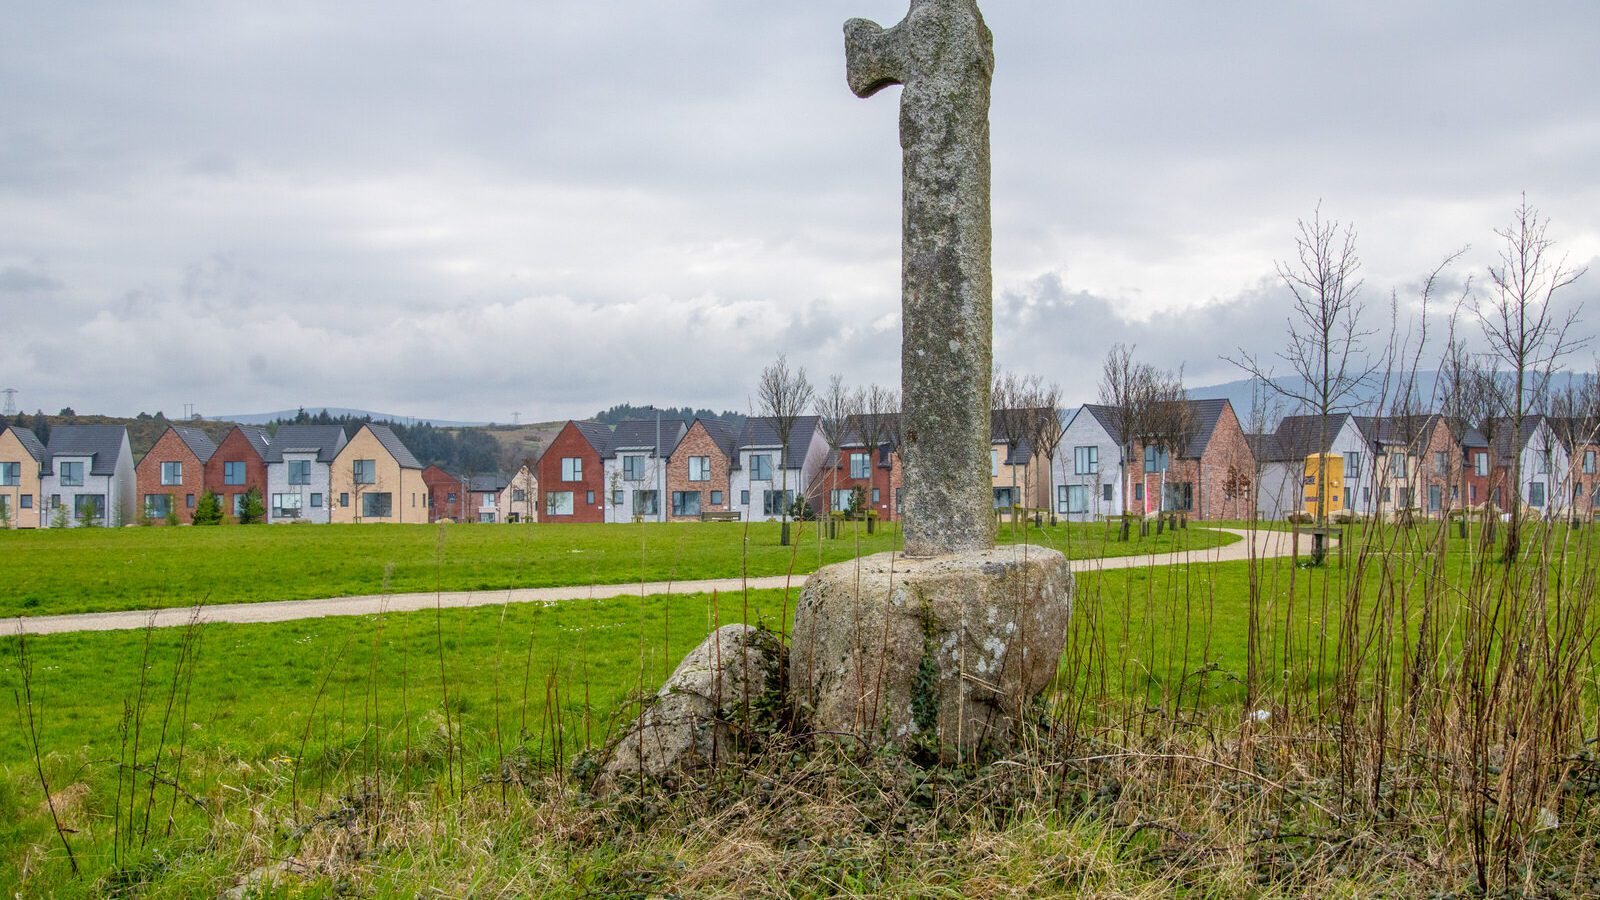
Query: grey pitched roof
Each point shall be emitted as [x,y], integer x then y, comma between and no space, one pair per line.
[1394,430]
[640,434]
[722,435]
[29,441]
[258,438]
[599,436]
[1298,437]
[1503,448]
[391,442]
[198,442]
[103,442]
[324,440]
[485,483]
[1206,413]
[1107,417]
[761,432]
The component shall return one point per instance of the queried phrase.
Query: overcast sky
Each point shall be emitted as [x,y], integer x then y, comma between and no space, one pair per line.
[472,209]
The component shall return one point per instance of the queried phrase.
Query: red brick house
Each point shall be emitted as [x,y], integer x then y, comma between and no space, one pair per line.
[172,475]
[572,484]
[447,497]
[239,464]
[875,470]
[698,471]
[1213,477]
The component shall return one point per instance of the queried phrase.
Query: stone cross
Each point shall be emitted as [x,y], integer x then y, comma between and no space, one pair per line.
[943,55]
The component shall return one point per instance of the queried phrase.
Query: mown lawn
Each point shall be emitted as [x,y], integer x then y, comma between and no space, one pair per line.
[94,570]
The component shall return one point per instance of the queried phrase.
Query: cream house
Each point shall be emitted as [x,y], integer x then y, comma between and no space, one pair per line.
[519,500]
[374,478]
[21,460]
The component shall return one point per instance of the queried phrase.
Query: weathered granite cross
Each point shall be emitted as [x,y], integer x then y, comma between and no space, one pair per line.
[943,54]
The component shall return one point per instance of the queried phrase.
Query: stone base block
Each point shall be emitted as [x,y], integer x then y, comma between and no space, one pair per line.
[946,652]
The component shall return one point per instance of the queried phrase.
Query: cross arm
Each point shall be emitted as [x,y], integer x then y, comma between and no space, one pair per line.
[875,58]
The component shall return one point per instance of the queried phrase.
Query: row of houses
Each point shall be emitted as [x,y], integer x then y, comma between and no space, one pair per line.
[674,471]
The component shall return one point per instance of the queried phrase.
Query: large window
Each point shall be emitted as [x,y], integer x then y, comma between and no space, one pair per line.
[299,471]
[645,503]
[860,465]
[1441,463]
[90,509]
[775,503]
[699,468]
[1536,493]
[1004,498]
[171,473]
[286,506]
[633,468]
[1588,462]
[1352,464]
[1435,498]
[571,468]
[994,463]
[10,474]
[1545,456]
[233,473]
[363,471]
[1480,464]
[1178,496]
[1073,499]
[157,506]
[686,503]
[1397,465]
[1155,459]
[558,503]
[761,467]
[377,505]
[1086,460]
[71,474]
[839,500]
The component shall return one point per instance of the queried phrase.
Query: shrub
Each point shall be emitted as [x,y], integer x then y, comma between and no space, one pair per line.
[251,510]
[208,509]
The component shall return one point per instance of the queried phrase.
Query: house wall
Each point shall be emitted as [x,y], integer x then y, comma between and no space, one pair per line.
[887,480]
[801,480]
[1225,483]
[1084,430]
[1557,481]
[320,486]
[697,443]
[1029,480]
[117,489]
[170,448]
[588,493]
[441,485]
[1434,482]
[12,451]
[235,448]
[526,510]
[409,493]
[654,480]
[1477,485]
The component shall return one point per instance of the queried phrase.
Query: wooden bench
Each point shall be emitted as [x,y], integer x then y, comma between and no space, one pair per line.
[719,516]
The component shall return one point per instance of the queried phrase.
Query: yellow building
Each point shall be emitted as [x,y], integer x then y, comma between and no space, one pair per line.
[376,479]
[21,459]
[1319,465]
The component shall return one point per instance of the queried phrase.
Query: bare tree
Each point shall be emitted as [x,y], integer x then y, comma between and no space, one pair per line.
[1526,332]
[1044,431]
[1326,344]
[834,408]
[1126,389]
[783,395]
[1575,419]
[1169,424]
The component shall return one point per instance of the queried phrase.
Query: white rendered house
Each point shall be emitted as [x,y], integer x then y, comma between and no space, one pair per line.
[299,473]
[88,477]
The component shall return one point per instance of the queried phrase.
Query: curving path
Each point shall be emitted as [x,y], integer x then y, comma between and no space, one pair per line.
[1259,545]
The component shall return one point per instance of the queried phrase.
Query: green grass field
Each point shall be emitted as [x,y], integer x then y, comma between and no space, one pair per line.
[96,570]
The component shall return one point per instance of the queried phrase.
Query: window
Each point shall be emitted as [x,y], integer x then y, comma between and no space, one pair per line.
[316,501]
[171,473]
[1441,463]
[238,505]
[450,497]
[1405,498]
[10,474]
[1472,493]
[645,503]
[1155,459]
[1397,465]
[1003,498]
[1544,460]
[1105,492]
[1086,460]
[1480,464]
[188,500]
[1352,464]
[571,468]
[860,465]
[761,467]
[286,506]
[377,505]
[1077,499]
[299,471]
[1349,497]
[1179,496]
[840,500]
[1588,462]
[716,498]
[1536,493]
[616,497]
[157,506]
[344,501]
[994,463]
[633,468]
[89,508]
[686,503]
[699,468]
[744,498]
[776,503]
[588,497]
[26,501]
[233,473]
[72,474]
[1138,492]
[877,497]
[363,471]
[1435,498]
[55,501]
[1385,496]
[519,496]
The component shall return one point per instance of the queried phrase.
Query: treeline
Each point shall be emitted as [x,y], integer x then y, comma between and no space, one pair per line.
[462,451]
[625,411]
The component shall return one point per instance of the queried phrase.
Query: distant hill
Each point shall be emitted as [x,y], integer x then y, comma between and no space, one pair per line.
[625,411]
[341,413]
[1240,393]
